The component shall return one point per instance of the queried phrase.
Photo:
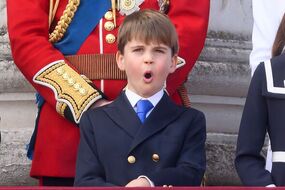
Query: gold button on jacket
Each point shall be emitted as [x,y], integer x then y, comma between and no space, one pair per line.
[155,157]
[131,159]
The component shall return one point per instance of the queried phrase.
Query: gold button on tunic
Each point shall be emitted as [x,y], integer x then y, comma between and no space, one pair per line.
[108,15]
[109,26]
[110,38]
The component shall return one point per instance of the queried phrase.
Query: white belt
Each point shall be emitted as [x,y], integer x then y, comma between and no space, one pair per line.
[278,156]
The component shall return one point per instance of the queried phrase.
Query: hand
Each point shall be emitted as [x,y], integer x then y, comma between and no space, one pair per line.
[140,182]
[100,103]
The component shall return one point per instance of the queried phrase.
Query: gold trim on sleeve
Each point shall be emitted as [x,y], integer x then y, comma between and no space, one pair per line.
[60,107]
[71,89]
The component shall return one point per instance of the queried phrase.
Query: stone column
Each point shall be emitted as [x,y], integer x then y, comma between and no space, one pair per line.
[17,112]
[218,84]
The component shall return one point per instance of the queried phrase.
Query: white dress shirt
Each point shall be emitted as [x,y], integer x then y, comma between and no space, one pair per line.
[134,98]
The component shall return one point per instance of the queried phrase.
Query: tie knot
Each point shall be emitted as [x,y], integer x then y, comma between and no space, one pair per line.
[143,107]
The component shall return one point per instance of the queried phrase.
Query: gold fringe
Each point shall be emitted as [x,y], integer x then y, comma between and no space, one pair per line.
[64,21]
[50,12]
[114,11]
[182,91]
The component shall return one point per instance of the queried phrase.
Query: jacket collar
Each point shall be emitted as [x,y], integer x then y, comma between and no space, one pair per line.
[122,113]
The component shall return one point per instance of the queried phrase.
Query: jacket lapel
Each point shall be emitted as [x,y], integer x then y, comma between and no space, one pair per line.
[164,113]
[123,114]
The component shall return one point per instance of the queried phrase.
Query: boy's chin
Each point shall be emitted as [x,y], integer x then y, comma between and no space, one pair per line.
[146,93]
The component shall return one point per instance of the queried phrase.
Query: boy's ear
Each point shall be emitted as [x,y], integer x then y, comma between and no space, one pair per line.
[120,60]
[174,60]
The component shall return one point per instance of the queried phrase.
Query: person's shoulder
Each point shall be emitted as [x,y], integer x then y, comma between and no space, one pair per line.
[278,63]
[274,70]
[260,68]
[196,112]
[259,75]
[94,111]
[101,108]
[93,115]
[192,112]
[196,120]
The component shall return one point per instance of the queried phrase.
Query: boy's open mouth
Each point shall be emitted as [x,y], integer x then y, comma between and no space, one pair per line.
[148,77]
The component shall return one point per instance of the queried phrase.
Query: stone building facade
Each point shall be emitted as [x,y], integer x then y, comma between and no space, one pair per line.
[217,85]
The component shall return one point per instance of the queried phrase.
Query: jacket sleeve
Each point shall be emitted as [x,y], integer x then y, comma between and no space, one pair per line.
[190,18]
[44,66]
[249,163]
[89,171]
[191,164]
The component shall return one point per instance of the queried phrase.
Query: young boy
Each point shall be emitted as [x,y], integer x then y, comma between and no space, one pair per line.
[124,145]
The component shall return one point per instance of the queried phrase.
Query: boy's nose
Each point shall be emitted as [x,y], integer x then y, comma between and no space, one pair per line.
[148,59]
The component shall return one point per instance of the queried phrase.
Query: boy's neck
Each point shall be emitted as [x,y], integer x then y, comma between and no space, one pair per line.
[143,97]
[133,97]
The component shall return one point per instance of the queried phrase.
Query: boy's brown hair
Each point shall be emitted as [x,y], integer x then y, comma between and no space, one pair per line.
[148,26]
[279,41]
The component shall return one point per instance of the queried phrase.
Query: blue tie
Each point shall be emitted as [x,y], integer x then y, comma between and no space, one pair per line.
[143,106]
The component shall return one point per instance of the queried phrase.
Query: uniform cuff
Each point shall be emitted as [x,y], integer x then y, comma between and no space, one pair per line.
[150,182]
[271,185]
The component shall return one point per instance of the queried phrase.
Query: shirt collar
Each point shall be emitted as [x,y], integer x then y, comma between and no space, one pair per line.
[134,98]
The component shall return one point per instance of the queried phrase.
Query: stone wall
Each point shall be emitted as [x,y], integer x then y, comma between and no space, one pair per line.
[219,82]
[217,85]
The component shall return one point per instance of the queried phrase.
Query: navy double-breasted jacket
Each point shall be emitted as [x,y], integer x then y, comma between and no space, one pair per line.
[264,112]
[115,147]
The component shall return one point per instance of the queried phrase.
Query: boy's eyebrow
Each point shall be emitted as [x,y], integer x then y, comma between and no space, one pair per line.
[137,46]
[161,47]
[155,46]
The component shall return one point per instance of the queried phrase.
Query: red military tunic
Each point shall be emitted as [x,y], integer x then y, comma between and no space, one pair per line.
[28,27]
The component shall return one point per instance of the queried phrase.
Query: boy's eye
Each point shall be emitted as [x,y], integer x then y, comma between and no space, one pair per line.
[137,49]
[159,50]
